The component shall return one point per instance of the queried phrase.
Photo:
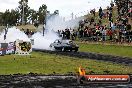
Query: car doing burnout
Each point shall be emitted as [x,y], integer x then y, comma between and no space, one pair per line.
[64,45]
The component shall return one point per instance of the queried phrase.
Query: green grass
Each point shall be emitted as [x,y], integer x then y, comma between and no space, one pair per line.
[48,63]
[116,50]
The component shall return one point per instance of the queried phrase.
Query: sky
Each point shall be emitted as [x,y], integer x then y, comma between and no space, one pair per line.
[65,7]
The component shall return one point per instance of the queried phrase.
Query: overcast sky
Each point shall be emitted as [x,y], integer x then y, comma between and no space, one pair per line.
[65,7]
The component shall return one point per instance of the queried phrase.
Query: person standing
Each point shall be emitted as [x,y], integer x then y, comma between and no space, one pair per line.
[100,12]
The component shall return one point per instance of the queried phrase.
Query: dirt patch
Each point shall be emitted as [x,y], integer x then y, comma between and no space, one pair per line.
[41,81]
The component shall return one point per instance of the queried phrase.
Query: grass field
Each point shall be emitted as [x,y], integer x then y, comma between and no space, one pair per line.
[117,50]
[48,64]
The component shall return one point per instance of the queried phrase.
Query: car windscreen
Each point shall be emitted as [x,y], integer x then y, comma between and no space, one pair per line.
[65,41]
[71,42]
[68,42]
[57,41]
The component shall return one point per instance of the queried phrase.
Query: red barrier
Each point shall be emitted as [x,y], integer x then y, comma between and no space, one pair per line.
[2,49]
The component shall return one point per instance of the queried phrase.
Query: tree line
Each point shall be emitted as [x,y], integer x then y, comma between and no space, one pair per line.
[15,16]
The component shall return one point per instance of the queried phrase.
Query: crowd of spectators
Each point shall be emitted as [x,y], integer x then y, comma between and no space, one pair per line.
[118,28]
[28,32]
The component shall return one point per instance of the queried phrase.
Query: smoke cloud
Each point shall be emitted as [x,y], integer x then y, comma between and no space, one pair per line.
[12,35]
[53,24]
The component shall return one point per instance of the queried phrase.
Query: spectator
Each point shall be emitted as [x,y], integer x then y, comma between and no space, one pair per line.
[100,12]
[128,26]
[63,34]
[110,33]
[81,33]
[110,16]
[94,12]
[104,35]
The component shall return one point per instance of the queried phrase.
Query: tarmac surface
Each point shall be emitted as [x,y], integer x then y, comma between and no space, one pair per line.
[42,81]
[94,56]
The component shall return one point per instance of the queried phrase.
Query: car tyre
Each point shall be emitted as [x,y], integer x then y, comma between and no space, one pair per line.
[70,50]
[52,47]
[76,49]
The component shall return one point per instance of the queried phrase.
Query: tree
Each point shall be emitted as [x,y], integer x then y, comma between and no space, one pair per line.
[18,15]
[26,9]
[10,17]
[42,14]
[6,17]
[123,6]
[14,17]
[1,20]
[32,16]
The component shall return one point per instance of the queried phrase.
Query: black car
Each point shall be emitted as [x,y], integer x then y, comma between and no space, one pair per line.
[64,45]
